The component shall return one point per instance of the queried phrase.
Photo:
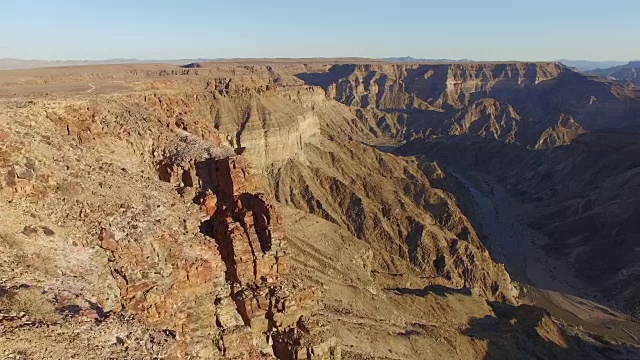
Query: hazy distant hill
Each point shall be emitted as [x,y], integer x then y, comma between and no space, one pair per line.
[586,65]
[420,60]
[581,65]
[627,73]
[13,64]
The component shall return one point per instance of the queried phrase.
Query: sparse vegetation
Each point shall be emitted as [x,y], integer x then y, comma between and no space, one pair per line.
[37,262]
[29,300]
[10,241]
[20,255]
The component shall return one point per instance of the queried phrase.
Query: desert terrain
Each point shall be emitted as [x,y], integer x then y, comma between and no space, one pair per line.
[318,209]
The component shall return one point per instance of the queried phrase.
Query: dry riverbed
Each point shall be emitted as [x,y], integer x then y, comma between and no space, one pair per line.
[547,282]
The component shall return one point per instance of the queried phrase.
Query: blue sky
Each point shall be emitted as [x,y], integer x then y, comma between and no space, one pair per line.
[479,30]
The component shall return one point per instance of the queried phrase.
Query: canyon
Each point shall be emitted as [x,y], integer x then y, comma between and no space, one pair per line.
[318,209]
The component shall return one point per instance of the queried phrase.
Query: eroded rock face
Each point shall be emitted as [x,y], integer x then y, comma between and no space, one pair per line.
[159,224]
[534,104]
[252,306]
[575,194]
[405,86]
[396,206]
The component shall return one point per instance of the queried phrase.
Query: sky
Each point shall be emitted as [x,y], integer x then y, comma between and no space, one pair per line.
[479,30]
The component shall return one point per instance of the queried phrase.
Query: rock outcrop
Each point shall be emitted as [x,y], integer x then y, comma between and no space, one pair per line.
[169,229]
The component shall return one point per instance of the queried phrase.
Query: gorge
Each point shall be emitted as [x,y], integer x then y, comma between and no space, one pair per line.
[319,210]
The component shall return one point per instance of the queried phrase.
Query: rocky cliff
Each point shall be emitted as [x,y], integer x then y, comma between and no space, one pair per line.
[240,211]
[166,235]
[538,105]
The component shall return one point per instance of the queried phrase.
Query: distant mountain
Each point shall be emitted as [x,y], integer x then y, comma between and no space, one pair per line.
[586,65]
[627,73]
[15,64]
[580,65]
[12,64]
[411,59]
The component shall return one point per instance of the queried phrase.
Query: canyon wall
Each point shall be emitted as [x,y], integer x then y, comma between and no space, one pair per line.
[578,195]
[248,211]
[539,105]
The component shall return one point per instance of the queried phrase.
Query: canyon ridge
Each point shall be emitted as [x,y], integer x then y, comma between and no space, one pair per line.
[319,209]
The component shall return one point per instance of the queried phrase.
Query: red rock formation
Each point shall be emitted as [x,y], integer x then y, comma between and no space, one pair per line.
[254,303]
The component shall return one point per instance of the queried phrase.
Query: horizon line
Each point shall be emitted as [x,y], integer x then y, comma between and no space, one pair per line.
[305,57]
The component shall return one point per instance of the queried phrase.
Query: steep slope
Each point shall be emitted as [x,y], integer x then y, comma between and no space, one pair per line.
[394,205]
[411,322]
[539,106]
[580,195]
